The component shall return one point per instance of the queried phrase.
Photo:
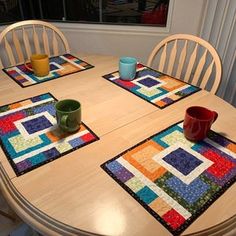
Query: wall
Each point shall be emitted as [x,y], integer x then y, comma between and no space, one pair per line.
[219,29]
[185,16]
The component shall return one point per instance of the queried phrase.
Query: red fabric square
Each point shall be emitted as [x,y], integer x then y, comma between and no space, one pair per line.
[6,123]
[173,218]
[11,72]
[221,165]
[87,137]
[139,65]
[127,84]
[69,56]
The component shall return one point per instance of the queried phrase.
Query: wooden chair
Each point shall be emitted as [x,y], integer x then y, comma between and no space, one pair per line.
[188,58]
[3,213]
[19,40]
[7,215]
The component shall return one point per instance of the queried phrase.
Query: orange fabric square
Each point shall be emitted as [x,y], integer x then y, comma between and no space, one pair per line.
[67,69]
[27,83]
[19,77]
[141,159]
[160,103]
[160,206]
[83,64]
[174,97]
[26,102]
[15,105]
[171,83]
[52,136]
[232,147]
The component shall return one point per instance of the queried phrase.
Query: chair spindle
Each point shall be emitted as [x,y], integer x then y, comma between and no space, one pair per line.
[17,46]
[162,59]
[45,41]
[199,68]
[55,44]
[182,60]
[9,52]
[36,41]
[26,43]
[191,63]
[172,58]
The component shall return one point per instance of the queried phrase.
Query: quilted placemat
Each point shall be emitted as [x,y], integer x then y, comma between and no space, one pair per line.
[159,89]
[59,66]
[174,179]
[30,137]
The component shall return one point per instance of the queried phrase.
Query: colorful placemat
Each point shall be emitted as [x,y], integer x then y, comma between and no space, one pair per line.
[30,137]
[174,179]
[159,89]
[59,66]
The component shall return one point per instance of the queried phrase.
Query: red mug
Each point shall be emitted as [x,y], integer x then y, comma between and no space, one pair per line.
[197,122]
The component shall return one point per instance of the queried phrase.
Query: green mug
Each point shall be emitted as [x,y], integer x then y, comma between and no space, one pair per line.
[68,115]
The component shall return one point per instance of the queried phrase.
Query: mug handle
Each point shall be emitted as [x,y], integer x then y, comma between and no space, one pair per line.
[28,68]
[64,121]
[215,115]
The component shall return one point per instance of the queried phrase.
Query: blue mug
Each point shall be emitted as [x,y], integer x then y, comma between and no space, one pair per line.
[127,68]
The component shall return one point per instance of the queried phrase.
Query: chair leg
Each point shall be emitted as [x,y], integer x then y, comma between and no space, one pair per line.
[7,215]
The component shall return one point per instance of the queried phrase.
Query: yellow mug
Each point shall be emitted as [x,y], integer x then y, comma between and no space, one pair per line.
[39,64]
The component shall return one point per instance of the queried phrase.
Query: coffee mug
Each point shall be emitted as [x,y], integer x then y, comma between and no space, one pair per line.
[68,115]
[39,64]
[127,68]
[197,122]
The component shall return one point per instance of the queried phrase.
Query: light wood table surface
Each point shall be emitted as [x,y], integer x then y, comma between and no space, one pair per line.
[73,195]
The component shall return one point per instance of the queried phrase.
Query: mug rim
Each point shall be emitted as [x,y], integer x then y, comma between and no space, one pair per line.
[202,108]
[38,56]
[67,100]
[132,60]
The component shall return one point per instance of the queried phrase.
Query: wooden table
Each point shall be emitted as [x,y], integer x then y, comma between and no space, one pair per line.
[73,195]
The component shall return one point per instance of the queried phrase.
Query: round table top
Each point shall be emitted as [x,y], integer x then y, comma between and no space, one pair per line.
[73,195]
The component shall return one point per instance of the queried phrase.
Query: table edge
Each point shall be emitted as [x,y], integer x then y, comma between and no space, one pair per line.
[49,226]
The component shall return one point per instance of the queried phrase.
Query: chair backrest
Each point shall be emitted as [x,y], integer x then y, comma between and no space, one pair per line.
[188,58]
[24,38]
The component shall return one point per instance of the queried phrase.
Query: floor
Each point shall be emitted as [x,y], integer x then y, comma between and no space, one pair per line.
[13,228]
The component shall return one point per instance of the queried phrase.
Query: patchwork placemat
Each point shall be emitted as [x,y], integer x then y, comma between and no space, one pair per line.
[59,66]
[174,179]
[30,137]
[159,89]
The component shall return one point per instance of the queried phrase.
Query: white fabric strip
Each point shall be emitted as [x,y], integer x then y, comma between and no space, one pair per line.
[216,145]
[24,132]
[73,63]
[25,75]
[26,106]
[33,153]
[182,211]
[170,93]
[221,148]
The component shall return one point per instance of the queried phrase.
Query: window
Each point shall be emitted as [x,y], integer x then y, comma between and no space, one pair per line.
[125,12]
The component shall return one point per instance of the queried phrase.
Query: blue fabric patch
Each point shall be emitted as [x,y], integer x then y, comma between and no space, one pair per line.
[51,153]
[50,108]
[146,195]
[36,124]
[76,142]
[39,158]
[189,192]
[182,160]
[148,82]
